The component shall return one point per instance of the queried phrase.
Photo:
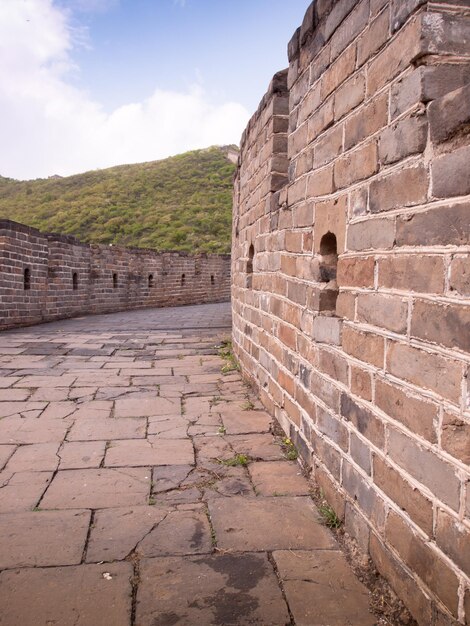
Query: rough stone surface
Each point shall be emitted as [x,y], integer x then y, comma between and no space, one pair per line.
[69,596]
[122,480]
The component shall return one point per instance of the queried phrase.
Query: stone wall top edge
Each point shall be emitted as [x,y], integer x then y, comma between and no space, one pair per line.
[10,225]
[277,86]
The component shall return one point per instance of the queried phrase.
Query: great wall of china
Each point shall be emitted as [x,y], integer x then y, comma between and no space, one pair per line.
[350,279]
[46,277]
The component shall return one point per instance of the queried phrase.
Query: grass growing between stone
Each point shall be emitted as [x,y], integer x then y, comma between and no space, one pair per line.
[226,353]
[238,459]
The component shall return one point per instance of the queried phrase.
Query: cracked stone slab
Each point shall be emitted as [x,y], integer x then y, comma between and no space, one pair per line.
[322,589]
[219,590]
[81,454]
[34,457]
[31,430]
[256,446]
[150,451]
[97,488]
[43,538]
[5,453]
[171,428]
[238,421]
[93,429]
[117,532]
[144,407]
[9,409]
[168,477]
[278,478]
[89,594]
[23,490]
[243,523]
[180,532]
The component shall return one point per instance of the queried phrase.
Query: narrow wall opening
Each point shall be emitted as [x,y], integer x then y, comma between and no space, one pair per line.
[75,281]
[115,281]
[249,267]
[183,279]
[150,281]
[27,279]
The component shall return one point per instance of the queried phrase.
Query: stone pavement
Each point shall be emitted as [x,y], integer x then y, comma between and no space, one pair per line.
[141,486]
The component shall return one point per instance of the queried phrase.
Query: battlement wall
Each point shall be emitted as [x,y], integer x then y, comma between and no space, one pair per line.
[46,277]
[351,279]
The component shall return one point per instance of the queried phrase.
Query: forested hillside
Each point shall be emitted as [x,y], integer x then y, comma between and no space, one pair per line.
[180,203]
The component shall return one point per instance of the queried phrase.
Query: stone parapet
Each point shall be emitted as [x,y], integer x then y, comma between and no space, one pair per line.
[351,290]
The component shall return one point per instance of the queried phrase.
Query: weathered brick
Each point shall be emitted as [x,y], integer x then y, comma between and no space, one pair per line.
[459,280]
[415,413]
[328,454]
[455,437]
[403,583]
[364,420]
[327,330]
[426,467]
[346,305]
[421,559]
[363,494]
[287,335]
[363,346]
[361,383]
[349,95]
[329,146]
[334,365]
[371,234]
[330,491]
[454,539]
[444,324]
[325,390]
[449,113]
[388,312]
[356,272]
[332,427]
[368,120]
[330,216]
[350,28]
[426,83]
[445,225]
[408,498]
[430,371]
[338,72]
[403,138]
[397,55]
[360,452]
[400,188]
[321,119]
[356,165]
[451,174]
[320,182]
[373,38]
[419,273]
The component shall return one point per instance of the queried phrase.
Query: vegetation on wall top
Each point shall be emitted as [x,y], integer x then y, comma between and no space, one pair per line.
[180,203]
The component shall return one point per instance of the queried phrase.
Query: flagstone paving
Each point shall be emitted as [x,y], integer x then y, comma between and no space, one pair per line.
[140,486]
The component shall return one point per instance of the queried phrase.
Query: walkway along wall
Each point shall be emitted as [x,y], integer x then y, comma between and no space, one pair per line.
[46,277]
[351,279]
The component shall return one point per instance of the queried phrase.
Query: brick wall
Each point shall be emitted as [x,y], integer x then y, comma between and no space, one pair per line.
[351,279]
[68,278]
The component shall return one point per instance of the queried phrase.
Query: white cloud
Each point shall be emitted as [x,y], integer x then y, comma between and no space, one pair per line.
[51,127]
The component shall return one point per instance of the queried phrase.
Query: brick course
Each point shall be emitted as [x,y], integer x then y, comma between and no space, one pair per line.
[367,365]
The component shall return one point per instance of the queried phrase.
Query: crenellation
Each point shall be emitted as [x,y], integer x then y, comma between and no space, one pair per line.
[107,278]
[368,372]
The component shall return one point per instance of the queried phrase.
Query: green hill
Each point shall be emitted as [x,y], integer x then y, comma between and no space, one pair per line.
[180,203]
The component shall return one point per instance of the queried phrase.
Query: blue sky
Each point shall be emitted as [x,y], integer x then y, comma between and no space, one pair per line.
[94,83]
